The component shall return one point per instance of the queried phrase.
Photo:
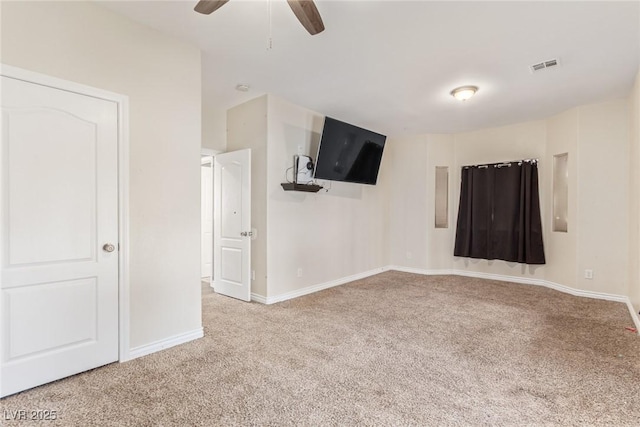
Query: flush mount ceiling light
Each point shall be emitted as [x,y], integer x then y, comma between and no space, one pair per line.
[242,87]
[463,93]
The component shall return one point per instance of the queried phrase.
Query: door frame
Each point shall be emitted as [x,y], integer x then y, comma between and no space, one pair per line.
[122,102]
[209,152]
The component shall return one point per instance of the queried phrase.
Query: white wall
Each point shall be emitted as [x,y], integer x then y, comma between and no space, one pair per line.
[84,43]
[328,235]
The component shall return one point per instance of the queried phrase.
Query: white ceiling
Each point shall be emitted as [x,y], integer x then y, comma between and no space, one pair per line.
[389,65]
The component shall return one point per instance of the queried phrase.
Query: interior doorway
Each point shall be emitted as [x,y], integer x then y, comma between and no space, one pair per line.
[226,232]
[206,217]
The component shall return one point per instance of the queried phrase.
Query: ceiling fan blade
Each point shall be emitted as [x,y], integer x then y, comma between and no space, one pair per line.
[308,15]
[209,6]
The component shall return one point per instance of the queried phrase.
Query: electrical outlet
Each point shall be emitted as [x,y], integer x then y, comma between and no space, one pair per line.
[300,149]
[409,255]
[588,274]
[253,275]
[299,272]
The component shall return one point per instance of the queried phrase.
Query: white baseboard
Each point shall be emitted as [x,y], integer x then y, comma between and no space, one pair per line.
[558,287]
[530,281]
[316,288]
[503,278]
[258,298]
[634,315]
[545,283]
[420,270]
[515,279]
[156,346]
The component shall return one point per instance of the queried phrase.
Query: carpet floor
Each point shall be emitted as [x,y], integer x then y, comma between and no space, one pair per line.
[392,349]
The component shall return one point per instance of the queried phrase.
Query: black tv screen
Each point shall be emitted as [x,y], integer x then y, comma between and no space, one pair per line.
[349,153]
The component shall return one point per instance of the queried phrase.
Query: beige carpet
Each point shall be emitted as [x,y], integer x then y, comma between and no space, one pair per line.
[393,349]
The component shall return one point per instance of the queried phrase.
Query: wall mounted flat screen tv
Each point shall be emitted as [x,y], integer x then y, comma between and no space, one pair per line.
[349,153]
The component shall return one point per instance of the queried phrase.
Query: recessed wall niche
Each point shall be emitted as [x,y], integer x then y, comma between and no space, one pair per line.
[442,197]
[560,192]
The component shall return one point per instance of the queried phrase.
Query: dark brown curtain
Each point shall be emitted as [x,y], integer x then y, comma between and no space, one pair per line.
[499,213]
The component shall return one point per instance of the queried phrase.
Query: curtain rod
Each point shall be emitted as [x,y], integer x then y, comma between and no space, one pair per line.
[501,164]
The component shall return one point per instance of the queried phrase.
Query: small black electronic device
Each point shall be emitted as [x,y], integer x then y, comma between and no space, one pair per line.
[302,169]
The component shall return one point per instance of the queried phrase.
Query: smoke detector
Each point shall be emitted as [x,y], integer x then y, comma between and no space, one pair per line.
[544,65]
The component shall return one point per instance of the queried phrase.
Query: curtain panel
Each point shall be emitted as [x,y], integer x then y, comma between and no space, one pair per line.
[499,213]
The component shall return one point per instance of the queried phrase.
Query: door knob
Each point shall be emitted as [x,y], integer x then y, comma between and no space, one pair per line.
[246,233]
[108,247]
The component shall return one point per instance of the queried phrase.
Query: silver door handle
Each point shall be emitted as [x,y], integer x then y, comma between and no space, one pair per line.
[246,233]
[108,247]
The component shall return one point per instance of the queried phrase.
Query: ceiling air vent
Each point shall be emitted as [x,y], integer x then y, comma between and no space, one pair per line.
[544,64]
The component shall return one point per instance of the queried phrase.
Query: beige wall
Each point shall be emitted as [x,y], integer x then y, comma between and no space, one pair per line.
[560,247]
[441,152]
[634,195]
[414,241]
[356,228]
[327,235]
[603,182]
[214,128]
[82,42]
[247,128]
[597,140]
[408,226]
[515,142]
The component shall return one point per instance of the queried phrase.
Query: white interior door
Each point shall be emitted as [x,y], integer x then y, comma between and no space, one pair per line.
[232,224]
[206,217]
[59,213]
